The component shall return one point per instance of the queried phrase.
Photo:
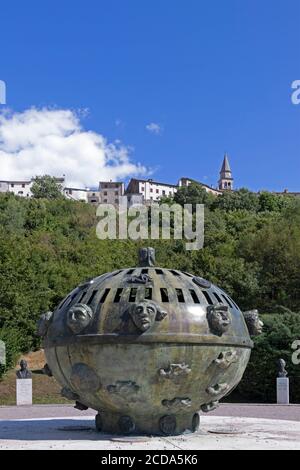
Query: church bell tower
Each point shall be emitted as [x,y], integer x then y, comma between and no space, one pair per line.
[226,180]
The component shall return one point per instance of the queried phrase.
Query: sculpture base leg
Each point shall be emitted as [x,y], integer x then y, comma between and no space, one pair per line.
[166,424]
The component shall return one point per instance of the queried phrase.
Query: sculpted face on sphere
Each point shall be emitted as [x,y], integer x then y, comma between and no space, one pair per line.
[79,317]
[254,323]
[145,313]
[147,256]
[218,318]
[44,323]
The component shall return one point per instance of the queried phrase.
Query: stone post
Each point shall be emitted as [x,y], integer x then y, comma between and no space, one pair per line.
[283,384]
[23,385]
[2,353]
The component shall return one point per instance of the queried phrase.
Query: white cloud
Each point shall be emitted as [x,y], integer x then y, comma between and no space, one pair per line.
[154,128]
[47,141]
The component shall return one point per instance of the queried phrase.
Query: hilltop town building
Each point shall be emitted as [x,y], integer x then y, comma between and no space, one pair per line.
[19,188]
[93,197]
[138,191]
[110,192]
[209,189]
[76,194]
[22,188]
[152,191]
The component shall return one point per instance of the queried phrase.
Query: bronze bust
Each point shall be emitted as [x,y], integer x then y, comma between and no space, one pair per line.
[282,372]
[24,372]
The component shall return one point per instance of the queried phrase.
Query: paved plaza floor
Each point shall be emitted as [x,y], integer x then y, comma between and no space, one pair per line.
[229,427]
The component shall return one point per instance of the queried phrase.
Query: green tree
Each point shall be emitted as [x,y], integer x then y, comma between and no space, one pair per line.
[46,187]
[272,202]
[193,194]
[259,381]
[243,199]
[47,247]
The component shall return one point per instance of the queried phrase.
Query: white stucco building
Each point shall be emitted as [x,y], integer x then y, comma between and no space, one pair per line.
[76,194]
[209,189]
[22,188]
[19,188]
[151,190]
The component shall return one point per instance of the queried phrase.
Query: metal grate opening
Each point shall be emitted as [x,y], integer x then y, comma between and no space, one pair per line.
[175,273]
[118,295]
[194,296]
[232,301]
[180,295]
[208,298]
[145,271]
[164,294]
[81,297]
[148,293]
[227,300]
[159,271]
[218,297]
[132,294]
[116,273]
[92,297]
[130,271]
[187,274]
[64,302]
[103,298]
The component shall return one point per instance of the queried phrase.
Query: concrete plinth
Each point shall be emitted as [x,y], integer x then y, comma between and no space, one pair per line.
[283,391]
[24,392]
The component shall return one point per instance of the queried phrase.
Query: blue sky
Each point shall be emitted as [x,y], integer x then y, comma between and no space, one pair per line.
[215,75]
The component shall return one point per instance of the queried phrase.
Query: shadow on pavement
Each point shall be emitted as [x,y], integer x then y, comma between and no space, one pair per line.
[50,429]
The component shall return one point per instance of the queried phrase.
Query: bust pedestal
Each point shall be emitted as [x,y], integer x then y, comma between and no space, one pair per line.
[283,391]
[24,392]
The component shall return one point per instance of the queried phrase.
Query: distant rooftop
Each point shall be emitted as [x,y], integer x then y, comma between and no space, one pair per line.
[151,181]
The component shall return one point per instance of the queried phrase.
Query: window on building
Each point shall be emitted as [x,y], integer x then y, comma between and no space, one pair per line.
[143,188]
[163,192]
[23,185]
[12,185]
[105,193]
[116,193]
[151,190]
[157,191]
[116,201]
[20,192]
[104,200]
